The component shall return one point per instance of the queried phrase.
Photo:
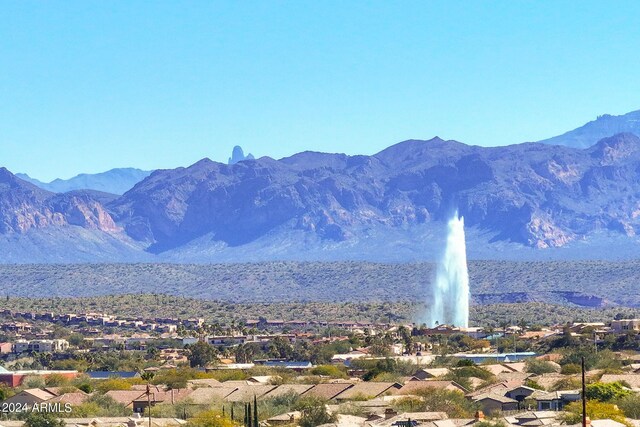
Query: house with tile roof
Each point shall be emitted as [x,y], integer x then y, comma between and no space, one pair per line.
[493,404]
[287,389]
[367,390]
[327,391]
[209,395]
[29,397]
[554,400]
[156,397]
[247,393]
[412,387]
[632,379]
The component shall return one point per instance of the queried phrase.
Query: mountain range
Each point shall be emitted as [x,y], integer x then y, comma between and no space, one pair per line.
[518,201]
[548,200]
[115,181]
[120,180]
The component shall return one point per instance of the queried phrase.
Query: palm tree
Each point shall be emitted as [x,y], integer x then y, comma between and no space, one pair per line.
[522,324]
[504,325]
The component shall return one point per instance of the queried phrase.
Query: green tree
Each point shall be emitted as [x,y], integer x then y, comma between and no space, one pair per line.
[76,339]
[280,348]
[407,339]
[201,354]
[606,392]
[314,412]
[153,353]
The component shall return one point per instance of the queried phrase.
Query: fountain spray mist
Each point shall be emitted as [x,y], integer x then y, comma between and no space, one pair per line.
[450,304]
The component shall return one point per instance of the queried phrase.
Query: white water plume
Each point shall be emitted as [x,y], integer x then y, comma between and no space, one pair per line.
[450,303]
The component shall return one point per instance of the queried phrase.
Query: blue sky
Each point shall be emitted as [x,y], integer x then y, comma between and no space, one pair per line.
[86,86]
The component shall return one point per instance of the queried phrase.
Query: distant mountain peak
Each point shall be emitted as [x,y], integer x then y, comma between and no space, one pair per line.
[603,126]
[237,155]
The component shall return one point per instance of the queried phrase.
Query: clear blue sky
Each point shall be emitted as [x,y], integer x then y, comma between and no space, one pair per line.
[90,85]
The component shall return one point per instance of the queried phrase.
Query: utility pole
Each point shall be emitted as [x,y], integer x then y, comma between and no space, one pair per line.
[584,396]
[149,402]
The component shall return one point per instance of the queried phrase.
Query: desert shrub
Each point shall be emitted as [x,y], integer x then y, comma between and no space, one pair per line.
[473,371]
[490,423]
[277,405]
[99,405]
[56,380]
[351,409]
[568,383]
[41,419]
[183,409]
[629,405]
[177,378]
[533,384]
[34,381]
[210,419]
[374,368]
[539,367]
[452,402]
[570,369]
[86,387]
[388,377]
[229,375]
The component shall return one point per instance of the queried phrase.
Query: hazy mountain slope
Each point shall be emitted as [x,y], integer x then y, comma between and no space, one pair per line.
[41,226]
[604,126]
[115,181]
[25,207]
[69,244]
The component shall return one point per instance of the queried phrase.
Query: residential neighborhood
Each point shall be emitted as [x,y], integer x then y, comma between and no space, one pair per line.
[99,369]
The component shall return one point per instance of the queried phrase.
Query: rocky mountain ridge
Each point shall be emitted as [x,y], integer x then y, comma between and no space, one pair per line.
[533,195]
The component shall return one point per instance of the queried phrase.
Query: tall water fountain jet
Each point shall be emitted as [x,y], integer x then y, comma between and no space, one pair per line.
[450,303]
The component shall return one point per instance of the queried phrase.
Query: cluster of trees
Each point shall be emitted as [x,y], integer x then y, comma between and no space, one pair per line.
[280,348]
[453,403]
[606,401]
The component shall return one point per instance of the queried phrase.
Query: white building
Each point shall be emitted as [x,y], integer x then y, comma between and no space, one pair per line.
[40,346]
